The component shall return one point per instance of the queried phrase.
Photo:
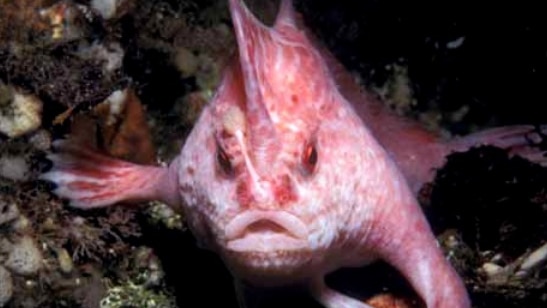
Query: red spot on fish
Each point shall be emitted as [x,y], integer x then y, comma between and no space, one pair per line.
[190,170]
[243,194]
[284,192]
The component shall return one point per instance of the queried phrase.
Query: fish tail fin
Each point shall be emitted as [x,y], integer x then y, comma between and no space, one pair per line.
[89,179]
[526,141]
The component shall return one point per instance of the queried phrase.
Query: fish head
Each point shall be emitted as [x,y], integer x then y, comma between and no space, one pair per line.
[273,157]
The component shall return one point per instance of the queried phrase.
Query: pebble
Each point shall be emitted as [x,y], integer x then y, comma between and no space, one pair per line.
[6,286]
[8,211]
[14,167]
[19,113]
[25,258]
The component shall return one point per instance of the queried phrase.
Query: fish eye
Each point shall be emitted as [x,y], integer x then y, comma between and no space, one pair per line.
[309,158]
[223,161]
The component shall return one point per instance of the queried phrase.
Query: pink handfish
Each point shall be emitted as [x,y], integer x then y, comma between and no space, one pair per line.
[292,171]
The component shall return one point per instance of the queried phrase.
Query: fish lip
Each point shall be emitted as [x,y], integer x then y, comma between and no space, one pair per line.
[267,244]
[294,226]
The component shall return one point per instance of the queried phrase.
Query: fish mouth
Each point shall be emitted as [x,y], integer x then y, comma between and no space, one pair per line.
[266,231]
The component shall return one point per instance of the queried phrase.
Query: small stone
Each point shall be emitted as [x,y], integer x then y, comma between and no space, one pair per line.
[41,140]
[19,113]
[107,8]
[49,224]
[21,225]
[25,258]
[491,269]
[186,62]
[6,286]
[495,274]
[65,261]
[14,167]
[8,211]
[110,54]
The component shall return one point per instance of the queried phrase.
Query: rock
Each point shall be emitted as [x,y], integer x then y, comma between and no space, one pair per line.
[65,261]
[14,167]
[25,258]
[41,140]
[6,286]
[186,62]
[21,224]
[491,269]
[109,9]
[496,275]
[8,211]
[110,54]
[19,113]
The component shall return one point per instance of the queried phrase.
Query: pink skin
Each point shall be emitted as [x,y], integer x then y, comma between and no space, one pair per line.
[291,172]
[417,152]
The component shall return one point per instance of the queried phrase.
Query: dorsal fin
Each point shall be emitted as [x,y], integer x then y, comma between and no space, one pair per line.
[286,15]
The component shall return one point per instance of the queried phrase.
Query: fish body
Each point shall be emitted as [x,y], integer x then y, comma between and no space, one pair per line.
[292,172]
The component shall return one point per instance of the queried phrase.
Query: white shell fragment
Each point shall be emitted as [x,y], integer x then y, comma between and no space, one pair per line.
[535,259]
